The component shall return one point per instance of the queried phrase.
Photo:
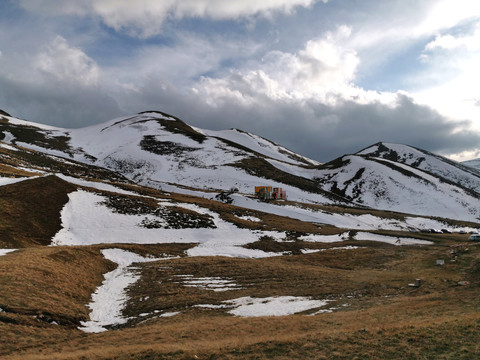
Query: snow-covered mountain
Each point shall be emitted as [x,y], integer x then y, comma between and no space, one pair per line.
[159,150]
[439,166]
[475,163]
[406,179]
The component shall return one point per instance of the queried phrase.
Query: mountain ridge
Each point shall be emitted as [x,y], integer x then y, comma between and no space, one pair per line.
[157,149]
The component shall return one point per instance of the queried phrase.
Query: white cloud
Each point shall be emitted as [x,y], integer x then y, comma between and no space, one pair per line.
[324,70]
[67,63]
[219,82]
[470,42]
[144,18]
[381,34]
[446,14]
[451,82]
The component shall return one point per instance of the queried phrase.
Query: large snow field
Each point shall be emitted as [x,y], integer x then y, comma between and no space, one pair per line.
[431,163]
[385,188]
[345,221]
[200,166]
[86,221]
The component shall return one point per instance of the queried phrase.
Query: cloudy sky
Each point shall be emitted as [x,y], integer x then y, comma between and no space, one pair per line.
[321,77]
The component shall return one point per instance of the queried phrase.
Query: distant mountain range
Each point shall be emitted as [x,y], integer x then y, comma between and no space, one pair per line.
[158,150]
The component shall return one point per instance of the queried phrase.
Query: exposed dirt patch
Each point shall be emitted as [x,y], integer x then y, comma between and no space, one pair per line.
[151,144]
[169,217]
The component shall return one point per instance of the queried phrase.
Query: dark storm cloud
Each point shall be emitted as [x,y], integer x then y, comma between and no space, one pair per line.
[56,103]
[319,131]
[56,70]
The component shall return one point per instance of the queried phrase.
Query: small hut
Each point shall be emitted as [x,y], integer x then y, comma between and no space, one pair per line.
[266,193]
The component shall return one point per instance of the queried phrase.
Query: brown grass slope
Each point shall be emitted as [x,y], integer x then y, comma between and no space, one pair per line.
[30,211]
[376,314]
[43,294]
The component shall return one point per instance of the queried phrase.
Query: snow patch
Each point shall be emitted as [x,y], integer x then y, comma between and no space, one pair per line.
[209,283]
[311,251]
[6,251]
[86,221]
[272,306]
[8,181]
[109,299]
[324,238]
[169,314]
[394,240]
[9,137]
[249,218]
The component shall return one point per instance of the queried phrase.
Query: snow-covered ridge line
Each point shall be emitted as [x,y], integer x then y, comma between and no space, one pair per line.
[162,154]
[434,164]
[7,181]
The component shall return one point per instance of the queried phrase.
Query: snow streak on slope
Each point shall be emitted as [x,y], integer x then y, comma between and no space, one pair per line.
[110,298]
[6,251]
[8,181]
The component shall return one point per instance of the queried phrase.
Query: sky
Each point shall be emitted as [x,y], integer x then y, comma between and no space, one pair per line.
[322,77]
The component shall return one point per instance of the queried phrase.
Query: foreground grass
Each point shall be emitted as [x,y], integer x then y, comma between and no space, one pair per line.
[375,314]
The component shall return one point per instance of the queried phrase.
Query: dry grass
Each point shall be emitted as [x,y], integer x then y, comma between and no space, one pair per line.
[29,211]
[377,314]
[7,171]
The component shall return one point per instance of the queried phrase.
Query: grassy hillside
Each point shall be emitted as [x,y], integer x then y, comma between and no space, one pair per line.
[374,313]
[29,211]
